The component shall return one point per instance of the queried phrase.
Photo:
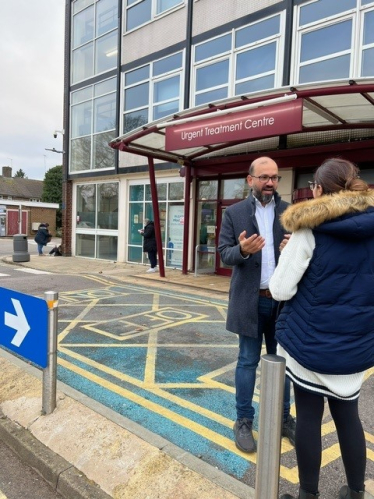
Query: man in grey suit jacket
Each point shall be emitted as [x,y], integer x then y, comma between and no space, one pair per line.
[250,241]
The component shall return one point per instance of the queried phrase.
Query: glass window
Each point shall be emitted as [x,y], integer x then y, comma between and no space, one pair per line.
[163,5]
[138,14]
[211,96]
[176,191]
[161,192]
[107,247]
[81,95]
[136,192]
[321,9]
[86,206]
[369,27]
[331,69]
[166,109]
[167,64]
[152,98]
[254,85]
[105,113]
[94,51]
[106,52]
[107,209]
[137,75]
[106,16]
[137,96]
[368,62]
[166,89]
[314,44]
[213,48]
[82,64]
[81,119]
[208,189]
[103,155]
[135,120]
[234,189]
[216,79]
[258,31]
[80,156]
[104,87]
[94,116]
[217,73]
[171,210]
[85,245]
[83,27]
[256,61]
[81,4]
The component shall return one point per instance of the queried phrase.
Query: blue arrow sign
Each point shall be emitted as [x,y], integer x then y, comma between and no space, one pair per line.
[24,326]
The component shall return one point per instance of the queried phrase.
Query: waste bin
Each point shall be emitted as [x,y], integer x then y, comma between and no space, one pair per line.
[20,249]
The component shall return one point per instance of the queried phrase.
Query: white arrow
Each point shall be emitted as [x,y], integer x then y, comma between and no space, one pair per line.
[17,322]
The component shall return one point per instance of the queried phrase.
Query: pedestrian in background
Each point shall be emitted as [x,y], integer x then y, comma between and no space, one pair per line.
[42,237]
[249,241]
[325,330]
[149,243]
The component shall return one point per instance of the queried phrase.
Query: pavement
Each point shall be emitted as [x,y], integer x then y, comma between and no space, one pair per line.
[84,449]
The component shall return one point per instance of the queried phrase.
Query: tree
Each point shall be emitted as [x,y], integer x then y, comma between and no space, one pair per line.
[20,174]
[52,190]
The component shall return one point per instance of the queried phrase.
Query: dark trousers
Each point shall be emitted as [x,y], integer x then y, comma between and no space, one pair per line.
[152,255]
[309,413]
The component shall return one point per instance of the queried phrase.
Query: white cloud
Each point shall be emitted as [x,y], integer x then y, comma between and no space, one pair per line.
[31,84]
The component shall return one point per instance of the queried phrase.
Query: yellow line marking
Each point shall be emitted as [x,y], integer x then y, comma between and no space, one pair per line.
[2,496]
[75,321]
[150,364]
[290,474]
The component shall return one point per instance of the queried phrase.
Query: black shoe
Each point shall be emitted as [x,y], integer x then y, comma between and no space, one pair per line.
[289,428]
[347,493]
[302,495]
[243,435]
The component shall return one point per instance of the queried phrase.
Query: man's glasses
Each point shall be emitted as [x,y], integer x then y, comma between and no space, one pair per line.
[312,184]
[266,178]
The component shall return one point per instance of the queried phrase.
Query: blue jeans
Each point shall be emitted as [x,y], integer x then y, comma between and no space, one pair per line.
[40,248]
[249,358]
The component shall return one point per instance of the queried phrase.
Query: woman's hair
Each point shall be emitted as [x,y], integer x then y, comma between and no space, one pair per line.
[336,174]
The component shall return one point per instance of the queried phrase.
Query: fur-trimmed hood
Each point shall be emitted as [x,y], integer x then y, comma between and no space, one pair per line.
[314,212]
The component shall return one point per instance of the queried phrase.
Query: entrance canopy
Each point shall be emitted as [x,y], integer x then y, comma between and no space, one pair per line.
[282,122]
[297,127]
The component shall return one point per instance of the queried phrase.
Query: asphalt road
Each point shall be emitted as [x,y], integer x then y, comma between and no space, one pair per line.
[18,481]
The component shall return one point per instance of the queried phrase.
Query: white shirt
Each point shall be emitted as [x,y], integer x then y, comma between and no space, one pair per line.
[265,221]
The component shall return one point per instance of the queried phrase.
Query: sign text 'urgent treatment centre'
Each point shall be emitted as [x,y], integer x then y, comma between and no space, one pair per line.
[243,125]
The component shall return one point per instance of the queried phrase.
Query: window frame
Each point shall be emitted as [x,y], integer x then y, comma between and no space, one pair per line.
[356,15]
[152,80]
[154,15]
[232,56]
[92,99]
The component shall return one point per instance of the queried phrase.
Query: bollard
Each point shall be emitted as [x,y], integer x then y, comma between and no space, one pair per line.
[273,368]
[50,372]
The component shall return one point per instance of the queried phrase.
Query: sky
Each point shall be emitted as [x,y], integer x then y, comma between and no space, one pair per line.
[31,84]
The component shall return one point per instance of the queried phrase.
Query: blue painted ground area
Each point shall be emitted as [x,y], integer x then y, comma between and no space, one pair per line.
[161,359]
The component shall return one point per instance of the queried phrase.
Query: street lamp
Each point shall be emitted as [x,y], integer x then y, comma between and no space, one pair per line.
[55,150]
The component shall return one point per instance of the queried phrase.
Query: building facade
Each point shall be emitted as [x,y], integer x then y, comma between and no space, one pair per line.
[134,65]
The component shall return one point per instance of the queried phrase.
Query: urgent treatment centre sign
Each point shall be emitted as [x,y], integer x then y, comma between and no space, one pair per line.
[237,126]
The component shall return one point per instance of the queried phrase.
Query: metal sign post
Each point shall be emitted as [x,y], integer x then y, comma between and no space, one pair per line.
[273,368]
[50,372]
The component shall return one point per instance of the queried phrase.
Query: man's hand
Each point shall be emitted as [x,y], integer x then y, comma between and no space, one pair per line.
[284,241]
[250,245]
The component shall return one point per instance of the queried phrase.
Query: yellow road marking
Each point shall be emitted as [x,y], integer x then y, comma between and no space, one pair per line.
[2,496]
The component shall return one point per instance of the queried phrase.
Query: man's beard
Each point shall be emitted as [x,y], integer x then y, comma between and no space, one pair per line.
[263,198]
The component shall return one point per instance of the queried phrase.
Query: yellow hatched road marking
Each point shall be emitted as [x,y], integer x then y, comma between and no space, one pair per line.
[287,473]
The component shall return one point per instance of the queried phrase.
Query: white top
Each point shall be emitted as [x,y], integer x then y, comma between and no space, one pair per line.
[293,262]
[265,221]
